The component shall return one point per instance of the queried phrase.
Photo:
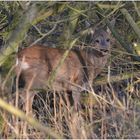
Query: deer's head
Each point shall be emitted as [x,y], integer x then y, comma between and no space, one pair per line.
[101,41]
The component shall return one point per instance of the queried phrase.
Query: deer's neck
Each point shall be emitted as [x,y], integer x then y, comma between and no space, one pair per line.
[95,60]
[98,62]
[98,59]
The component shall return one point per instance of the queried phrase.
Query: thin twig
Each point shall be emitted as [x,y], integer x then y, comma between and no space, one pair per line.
[44,35]
[11,109]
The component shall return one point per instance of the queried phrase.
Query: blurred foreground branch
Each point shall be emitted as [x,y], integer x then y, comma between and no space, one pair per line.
[18,34]
[116,78]
[127,46]
[131,21]
[31,17]
[30,120]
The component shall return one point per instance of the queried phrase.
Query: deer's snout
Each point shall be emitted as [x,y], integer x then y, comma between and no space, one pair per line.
[103,44]
[104,50]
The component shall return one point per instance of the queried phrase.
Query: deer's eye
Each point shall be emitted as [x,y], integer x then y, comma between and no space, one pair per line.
[107,39]
[97,41]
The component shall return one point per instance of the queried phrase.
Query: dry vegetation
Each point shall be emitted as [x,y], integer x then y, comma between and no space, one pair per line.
[112,107]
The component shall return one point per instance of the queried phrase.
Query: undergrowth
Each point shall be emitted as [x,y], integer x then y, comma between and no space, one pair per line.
[112,108]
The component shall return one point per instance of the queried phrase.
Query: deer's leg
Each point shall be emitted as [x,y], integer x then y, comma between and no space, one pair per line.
[76,99]
[27,102]
[29,93]
[27,99]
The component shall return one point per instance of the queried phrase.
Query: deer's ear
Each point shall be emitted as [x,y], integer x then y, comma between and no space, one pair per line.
[108,31]
[112,22]
[92,31]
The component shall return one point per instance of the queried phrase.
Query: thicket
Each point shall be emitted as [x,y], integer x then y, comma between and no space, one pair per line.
[112,111]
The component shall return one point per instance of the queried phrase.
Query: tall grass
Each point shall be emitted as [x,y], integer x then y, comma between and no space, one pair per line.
[111,108]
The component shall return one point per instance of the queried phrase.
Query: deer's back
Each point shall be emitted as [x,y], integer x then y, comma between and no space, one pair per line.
[39,62]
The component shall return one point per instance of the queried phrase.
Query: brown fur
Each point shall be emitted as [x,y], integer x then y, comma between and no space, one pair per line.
[78,70]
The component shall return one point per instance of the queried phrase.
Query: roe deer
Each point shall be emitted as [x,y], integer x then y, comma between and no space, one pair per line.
[79,68]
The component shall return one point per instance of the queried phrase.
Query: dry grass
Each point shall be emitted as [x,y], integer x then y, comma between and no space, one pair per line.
[115,114]
[110,109]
